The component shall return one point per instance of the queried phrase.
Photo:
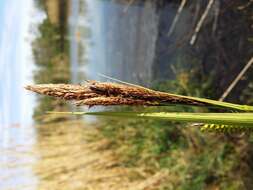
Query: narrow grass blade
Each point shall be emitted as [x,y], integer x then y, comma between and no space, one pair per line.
[244,119]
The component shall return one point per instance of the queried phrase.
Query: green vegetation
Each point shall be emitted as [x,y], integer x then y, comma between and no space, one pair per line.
[193,160]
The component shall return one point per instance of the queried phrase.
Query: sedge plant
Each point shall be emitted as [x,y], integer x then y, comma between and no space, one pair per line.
[95,93]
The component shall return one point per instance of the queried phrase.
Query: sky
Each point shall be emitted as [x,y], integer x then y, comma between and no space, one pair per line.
[17,17]
[16,61]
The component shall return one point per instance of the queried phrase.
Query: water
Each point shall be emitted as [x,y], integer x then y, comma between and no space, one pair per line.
[112,50]
[17,136]
[127,42]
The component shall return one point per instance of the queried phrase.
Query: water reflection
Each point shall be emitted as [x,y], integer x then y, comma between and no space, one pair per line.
[129,41]
[17,158]
[111,49]
[17,136]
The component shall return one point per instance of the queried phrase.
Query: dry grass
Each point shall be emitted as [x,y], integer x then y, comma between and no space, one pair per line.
[68,160]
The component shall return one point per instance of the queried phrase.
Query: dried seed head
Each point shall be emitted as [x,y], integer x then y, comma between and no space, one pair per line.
[98,93]
[64,91]
[109,101]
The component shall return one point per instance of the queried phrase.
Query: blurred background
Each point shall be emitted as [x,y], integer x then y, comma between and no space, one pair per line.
[194,48]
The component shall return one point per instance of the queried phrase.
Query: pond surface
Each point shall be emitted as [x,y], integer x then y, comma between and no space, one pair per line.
[122,41]
[17,136]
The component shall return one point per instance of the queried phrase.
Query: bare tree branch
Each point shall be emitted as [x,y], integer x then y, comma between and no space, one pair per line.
[128,5]
[237,79]
[201,21]
[179,11]
[216,15]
